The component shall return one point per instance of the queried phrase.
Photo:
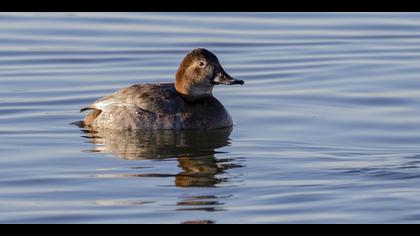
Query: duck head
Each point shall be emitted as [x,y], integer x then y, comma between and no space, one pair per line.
[199,72]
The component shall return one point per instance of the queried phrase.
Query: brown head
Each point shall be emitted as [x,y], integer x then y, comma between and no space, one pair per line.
[199,72]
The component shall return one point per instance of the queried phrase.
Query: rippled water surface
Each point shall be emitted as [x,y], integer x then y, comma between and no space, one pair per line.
[327,126]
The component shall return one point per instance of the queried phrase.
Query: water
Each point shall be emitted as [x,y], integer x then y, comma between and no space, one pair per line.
[327,126]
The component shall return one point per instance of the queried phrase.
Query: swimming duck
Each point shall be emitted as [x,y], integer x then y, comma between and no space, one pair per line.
[188,103]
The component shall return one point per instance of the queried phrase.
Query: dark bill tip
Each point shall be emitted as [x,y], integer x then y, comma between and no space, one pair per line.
[236,81]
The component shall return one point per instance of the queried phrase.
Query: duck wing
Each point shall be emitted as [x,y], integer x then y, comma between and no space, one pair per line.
[156,98]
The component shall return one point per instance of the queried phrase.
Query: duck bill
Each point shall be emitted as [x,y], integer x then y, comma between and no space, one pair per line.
[226,79]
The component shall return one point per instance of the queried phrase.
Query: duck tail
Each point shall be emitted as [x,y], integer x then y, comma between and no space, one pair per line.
[91,117]
[86,109]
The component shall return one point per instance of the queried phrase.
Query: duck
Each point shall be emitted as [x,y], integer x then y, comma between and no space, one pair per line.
[186,104]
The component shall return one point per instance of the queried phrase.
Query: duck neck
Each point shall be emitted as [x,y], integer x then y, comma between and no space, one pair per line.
[192,92]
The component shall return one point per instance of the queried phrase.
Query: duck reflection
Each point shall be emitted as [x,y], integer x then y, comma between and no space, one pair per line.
[194,150]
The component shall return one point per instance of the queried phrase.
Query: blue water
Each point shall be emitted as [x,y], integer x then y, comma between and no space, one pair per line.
[327,126]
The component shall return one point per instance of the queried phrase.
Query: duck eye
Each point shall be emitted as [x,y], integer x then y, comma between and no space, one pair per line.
[201,63]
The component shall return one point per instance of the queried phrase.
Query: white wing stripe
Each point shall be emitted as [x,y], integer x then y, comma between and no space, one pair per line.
[101,105]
